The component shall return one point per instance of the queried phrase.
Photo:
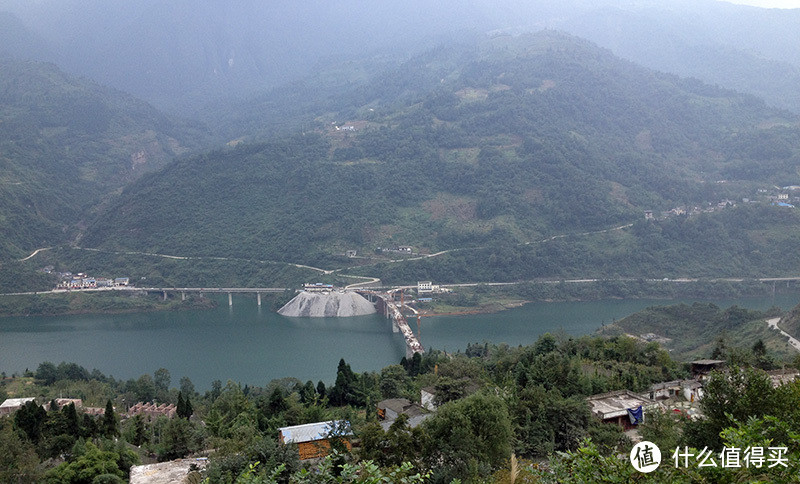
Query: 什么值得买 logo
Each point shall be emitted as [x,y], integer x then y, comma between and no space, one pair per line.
[645,456]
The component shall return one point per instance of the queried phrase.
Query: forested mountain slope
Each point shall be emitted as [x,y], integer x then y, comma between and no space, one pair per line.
[510,140]
[65,145]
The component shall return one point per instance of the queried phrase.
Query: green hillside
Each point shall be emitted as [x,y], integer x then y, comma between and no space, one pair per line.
[703,330]
[65,145]
[791,322]
[513,140]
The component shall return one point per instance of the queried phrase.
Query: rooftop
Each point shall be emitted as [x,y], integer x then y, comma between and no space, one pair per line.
[708,362]
[16,402]
[396,404]
[614,404]
[314,431]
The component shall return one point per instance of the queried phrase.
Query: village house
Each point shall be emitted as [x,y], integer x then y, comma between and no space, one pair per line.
[702,368]
[427,287]
[63,402]
[151,410]
[317,287]
[461,388]
[11,405]
[689,390]
[314,440]
[389,410]
[427,398]
[94,411]
[104,282]
[84,281]
[623,407]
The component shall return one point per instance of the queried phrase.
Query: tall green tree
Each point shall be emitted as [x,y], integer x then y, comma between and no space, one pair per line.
[184,409]
[31,419]
[162,380]
[178,439]
[88,466]
[135,431]
[187,387]
[468,438]
[343,390]
[110,423]
[393,381]
[19,463]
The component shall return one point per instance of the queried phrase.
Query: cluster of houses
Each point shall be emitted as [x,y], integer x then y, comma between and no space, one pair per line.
[149,410]
[11,405]
[68,281]
[428,287]
[628,409]
[153,410]
[779,196]
[709,208]
[398,249]
[318,287]
[624,408]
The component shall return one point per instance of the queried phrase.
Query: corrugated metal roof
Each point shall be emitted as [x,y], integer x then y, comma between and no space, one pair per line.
[314,431]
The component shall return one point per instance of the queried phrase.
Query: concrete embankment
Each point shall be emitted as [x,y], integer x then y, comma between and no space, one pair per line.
[327,305]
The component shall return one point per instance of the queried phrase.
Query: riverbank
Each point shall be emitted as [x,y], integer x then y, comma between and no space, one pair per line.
[78,302]
[466,300]
[483,299]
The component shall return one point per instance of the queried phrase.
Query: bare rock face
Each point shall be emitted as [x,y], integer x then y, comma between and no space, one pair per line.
[327,305]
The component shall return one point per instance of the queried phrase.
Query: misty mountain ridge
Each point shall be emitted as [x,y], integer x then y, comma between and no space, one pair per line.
[181,55]
[506,141]
[67,144]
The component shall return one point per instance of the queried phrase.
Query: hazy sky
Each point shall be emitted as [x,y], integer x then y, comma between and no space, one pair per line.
[768,3]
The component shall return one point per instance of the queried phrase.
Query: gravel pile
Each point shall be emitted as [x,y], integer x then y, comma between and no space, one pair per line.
[327,305]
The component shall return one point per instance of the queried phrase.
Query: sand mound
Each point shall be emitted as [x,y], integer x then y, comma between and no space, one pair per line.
[330,305]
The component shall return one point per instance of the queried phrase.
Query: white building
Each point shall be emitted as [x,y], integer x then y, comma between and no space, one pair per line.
[11,405]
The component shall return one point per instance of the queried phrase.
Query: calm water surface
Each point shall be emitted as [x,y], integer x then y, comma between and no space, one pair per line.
[254,347]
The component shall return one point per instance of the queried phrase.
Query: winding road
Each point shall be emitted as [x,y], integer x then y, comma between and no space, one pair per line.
[371,281]
[773,323]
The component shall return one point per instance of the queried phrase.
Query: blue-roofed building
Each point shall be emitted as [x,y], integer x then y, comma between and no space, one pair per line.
[314,440]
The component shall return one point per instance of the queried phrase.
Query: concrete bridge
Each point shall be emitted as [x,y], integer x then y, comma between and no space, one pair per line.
[215,290]
[385,304]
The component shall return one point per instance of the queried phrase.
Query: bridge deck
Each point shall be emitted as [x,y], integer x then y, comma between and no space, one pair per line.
[393,312]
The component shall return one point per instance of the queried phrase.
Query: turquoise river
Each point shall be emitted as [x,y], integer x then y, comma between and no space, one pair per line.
[253,346]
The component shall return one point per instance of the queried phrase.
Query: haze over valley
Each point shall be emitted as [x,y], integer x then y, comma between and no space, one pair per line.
[494,233]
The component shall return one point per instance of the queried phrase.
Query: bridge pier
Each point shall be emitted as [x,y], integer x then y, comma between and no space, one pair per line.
[165,295]
[258,298]
[183,295]
[230,299]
